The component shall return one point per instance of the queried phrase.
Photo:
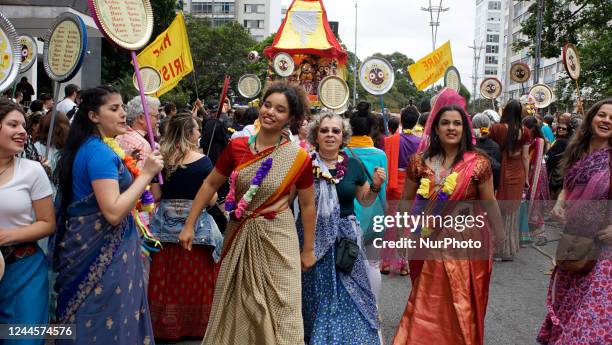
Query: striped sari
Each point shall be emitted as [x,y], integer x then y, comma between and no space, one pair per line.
[258,292]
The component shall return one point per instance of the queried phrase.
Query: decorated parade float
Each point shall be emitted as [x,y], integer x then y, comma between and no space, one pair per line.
[305,49]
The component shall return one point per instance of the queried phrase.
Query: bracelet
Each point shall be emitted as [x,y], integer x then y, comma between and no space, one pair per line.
[373,189]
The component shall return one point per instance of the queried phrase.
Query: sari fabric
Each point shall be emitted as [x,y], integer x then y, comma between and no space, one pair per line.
[371,158]
[448,300]
[100,281]
[257,297]
[337,308]
[538,185]
[579,305]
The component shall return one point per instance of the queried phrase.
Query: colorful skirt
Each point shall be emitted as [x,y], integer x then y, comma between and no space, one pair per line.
[181,288]
[579,306]
[330,314]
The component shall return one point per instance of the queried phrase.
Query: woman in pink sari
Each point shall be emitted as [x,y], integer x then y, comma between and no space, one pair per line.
[538,193]
[579,305]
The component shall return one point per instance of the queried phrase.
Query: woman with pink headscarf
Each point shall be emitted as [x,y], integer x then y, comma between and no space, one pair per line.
[450,289]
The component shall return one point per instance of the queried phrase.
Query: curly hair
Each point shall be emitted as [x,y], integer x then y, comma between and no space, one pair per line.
[313,129]
[299,106]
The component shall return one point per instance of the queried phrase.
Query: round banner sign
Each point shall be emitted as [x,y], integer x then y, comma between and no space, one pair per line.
[249,86]
[490,88]
[452,78]
[376,75]
[283,64]
[10,54]
[333,92]
[126,23]
[542,94]
[571,61]
[29,52]
[65,47]
[520,72]
[151,80]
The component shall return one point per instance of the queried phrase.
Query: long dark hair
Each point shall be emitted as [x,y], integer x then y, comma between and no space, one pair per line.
[466,143]
[579,144]
[297,99]
[534,126]
[81,129]
[512,117]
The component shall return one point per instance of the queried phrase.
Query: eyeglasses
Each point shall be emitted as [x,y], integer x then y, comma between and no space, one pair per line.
[563,128]
[333,130]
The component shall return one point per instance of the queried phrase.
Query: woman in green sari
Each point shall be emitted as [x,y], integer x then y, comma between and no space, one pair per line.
[258,292]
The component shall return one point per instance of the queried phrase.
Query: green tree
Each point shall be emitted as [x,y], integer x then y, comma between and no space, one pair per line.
[584,23]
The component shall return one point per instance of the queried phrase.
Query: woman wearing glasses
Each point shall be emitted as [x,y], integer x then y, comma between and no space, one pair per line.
[337,302]
[553,159]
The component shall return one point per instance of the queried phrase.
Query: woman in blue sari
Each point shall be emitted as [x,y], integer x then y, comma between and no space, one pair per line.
[96,249]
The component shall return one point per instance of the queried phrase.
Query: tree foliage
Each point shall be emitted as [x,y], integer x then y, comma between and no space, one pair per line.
[585,23]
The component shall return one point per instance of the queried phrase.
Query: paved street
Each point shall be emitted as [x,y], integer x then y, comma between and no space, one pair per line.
[516,303]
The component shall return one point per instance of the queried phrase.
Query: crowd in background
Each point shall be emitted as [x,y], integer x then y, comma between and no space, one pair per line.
[262,230]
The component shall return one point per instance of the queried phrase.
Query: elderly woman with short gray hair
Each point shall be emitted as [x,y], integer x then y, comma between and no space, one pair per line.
[482,124]
[337,301]
[135,141]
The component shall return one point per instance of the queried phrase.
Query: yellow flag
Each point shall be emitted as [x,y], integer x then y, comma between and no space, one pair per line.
[432,67]
[169,54]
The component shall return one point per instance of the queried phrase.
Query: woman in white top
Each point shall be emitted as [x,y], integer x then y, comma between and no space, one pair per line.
[28,217]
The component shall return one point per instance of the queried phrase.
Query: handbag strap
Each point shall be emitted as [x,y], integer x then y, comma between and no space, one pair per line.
[368,175]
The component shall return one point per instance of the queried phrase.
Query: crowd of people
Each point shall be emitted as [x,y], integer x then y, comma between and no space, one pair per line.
[261,231]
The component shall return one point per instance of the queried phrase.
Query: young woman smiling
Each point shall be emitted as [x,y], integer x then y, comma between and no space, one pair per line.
[257,297]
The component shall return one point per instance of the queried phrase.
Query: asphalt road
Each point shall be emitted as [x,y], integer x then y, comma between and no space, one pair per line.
[516,299]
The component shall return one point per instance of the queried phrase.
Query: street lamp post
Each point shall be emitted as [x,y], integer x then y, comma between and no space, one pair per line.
[355,62]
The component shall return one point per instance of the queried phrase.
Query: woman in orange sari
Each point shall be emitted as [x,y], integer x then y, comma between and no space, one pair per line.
[258,292]
[448,300]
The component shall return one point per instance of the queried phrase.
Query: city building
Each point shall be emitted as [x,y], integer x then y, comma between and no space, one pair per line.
[551,69]
[488,33]
[34,18]
[260,17]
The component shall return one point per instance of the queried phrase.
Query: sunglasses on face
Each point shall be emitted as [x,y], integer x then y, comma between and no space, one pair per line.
[563,128]
[326,130]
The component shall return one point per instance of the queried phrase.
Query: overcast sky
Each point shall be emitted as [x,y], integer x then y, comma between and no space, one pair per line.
[399,25]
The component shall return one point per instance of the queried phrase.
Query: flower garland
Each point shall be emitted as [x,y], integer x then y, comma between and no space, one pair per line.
[439,195]
[340,169]
[237,211]
[407,131]
[484,131]
[146,202]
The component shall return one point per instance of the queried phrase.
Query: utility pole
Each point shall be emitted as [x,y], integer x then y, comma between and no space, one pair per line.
[434,23]
[477,50]
[538,47]
[355,62]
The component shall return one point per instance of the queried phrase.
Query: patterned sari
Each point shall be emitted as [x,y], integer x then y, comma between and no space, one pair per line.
[258,292]
[538,194]
[100,281]
[449,297]
[579,305]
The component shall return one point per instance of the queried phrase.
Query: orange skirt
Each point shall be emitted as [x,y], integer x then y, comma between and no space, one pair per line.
[395,194]
[447,304]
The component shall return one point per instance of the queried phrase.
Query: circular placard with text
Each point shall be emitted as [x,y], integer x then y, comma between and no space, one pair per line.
[452,78]
[520,72]
[126,23]
[283,64]
[333,92]
[571,61]
[151,80]
[376,75]
[29,51]
[10,55]
[65,47]
[542,94]
[490,88]
[249,86]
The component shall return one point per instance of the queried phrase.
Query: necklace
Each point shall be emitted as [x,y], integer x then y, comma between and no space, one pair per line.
[341,166]
[438,168]
[8,165]
[253,140]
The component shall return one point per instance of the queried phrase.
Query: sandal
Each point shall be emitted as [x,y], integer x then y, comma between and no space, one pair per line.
[385,270]
[542,241]
[404,272]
